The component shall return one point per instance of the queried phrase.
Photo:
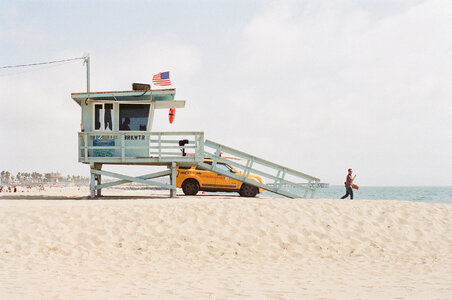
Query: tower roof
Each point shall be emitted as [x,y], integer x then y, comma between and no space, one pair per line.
[125,96]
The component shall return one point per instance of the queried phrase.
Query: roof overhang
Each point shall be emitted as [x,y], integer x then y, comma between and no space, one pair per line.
[126,96]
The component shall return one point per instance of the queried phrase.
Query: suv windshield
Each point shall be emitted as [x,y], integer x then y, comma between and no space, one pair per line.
[224,167]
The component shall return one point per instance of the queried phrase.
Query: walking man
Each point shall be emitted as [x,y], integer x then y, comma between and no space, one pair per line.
[348,185]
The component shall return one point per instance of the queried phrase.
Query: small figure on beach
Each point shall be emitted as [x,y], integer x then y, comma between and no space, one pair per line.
[348,185]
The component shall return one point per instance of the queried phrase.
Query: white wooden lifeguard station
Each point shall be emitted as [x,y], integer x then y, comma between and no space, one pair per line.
[117,130]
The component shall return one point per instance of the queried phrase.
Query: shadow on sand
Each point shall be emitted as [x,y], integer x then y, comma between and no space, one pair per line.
[107,197]
[62,198]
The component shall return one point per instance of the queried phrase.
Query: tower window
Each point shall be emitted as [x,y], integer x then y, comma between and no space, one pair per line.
[103,119]
[133,117]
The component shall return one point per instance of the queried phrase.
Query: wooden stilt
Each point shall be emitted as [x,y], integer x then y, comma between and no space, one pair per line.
[173,176]
[99,180]
[92,183]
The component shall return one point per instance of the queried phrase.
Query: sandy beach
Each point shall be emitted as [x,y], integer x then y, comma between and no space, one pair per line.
[57,244]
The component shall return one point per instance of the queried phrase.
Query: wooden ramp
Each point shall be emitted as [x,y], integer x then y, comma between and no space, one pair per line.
[278,179]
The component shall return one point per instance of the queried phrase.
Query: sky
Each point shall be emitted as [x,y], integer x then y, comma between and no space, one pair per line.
[319,86]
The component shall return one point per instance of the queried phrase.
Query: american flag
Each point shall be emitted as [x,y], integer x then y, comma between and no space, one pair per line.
[161,79]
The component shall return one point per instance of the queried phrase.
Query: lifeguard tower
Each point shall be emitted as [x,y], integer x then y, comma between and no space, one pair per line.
[116,129]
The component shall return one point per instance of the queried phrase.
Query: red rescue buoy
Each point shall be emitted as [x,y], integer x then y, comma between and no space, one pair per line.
[172,115]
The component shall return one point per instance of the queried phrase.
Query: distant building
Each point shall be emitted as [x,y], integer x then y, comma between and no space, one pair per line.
[53,177]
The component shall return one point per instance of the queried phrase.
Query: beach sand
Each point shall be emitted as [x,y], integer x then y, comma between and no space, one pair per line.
[57,244]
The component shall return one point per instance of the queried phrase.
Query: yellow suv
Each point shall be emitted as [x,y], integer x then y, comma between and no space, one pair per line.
[196,178]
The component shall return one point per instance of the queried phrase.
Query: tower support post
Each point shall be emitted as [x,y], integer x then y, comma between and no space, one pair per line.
[173,180]
[95,178]
[92,182]
[99,180]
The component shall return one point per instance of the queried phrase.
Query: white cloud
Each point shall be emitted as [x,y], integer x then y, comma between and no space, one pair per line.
[20,32]
[340,87]
[117,69]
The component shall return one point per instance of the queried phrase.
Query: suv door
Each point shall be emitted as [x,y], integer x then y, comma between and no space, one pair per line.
[206,178]
[225,182]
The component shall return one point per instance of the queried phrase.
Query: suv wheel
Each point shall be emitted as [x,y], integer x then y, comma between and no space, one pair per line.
[248,190]
[190,187]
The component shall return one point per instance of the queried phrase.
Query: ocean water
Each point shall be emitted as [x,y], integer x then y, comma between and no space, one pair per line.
[434,194]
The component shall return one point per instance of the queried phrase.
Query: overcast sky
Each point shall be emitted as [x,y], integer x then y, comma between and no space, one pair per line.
[319,86]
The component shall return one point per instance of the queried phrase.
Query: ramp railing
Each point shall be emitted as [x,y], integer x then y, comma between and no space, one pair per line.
[277,179]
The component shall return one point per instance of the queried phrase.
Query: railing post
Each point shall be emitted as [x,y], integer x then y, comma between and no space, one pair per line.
[160,146]
[251,161]
[201,147]
[123,147]
[314,189]
[85,142]
[149,143]
[217,155]
[277,181]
